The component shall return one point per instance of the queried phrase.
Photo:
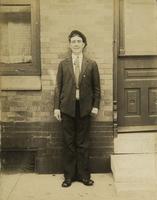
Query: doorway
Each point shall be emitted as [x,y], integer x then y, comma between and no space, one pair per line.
[136,62]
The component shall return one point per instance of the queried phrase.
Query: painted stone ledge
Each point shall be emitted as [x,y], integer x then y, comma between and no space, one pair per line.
[20,83]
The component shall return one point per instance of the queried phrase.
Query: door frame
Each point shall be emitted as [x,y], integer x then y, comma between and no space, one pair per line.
[116,24]
[118,50]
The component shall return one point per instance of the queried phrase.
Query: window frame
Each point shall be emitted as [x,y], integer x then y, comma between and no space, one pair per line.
[33,68]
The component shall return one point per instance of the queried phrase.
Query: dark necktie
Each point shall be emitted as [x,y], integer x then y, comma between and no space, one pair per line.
[77,71]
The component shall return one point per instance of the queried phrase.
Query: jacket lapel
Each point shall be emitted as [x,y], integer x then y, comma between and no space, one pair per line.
[83,68]
[70,66]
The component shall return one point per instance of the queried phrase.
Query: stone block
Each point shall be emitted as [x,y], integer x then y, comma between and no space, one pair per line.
[135,143]
[133,167]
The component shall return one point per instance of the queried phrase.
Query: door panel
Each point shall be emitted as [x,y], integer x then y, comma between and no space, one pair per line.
[152,101]
[137,90]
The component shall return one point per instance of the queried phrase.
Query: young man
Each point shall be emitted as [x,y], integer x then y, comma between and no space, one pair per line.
[77,97]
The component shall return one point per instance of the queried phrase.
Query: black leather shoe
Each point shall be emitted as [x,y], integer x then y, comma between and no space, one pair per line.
[67,182]
[87,182]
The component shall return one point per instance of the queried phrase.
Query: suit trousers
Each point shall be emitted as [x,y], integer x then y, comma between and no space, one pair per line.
[76,145]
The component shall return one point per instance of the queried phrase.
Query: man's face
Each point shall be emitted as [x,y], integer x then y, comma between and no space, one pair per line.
[76,44]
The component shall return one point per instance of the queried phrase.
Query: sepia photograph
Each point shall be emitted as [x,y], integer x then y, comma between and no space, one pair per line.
[78,99]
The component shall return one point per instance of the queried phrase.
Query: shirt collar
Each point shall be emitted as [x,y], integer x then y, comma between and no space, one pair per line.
[75,56]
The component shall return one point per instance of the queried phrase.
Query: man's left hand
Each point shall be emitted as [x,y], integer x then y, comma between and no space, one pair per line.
[94,111]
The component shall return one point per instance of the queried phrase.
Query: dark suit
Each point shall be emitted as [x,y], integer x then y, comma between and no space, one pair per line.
[76,114]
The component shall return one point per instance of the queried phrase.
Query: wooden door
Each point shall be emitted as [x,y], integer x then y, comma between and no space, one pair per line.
[137,90]
[137,62]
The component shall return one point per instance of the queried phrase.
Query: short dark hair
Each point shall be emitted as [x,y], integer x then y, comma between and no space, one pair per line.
[78,33]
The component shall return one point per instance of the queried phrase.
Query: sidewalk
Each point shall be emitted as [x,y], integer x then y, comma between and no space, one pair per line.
[48,187]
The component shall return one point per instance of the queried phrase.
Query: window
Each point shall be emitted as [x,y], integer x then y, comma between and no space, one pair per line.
[138,27]
[19,37]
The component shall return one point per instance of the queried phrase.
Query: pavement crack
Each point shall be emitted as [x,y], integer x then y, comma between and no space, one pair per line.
[8,197]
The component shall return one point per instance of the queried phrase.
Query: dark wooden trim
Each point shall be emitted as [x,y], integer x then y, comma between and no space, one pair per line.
[115,54]
[134,56]
[121,28]
[33,68]
[23,69]
[15,2]
[36,35]
[137,129]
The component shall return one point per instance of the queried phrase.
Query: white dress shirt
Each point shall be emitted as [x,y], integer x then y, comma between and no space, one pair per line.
[80,60]
[80,63]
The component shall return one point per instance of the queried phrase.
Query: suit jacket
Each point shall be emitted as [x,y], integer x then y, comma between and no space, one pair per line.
[89,87]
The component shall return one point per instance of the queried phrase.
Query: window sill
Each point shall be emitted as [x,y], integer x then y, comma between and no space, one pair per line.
[20,83]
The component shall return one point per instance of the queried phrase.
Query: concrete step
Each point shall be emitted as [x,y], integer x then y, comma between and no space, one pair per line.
[135,143]
[133,167]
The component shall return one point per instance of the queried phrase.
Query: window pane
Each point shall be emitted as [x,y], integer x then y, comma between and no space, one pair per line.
[15,34]
[140,27]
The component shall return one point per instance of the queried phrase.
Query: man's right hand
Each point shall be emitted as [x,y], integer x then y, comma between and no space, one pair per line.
[57,114]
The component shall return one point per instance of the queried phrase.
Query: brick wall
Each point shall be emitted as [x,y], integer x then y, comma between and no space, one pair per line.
[58,18]
[95,19]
